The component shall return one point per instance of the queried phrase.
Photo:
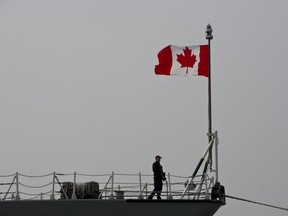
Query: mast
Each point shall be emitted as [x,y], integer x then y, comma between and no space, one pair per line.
[217,189]
[209,37]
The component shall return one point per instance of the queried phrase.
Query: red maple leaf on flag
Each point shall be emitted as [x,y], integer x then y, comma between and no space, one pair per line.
[186,60]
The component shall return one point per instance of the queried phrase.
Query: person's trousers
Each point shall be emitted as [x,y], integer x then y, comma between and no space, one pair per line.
[158,185]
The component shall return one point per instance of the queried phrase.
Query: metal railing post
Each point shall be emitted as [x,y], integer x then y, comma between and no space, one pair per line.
[17,187]
[74,187]
[52,197]
[206,186]
[169,184]
[216,154]
[140,182]
[112,185]
[167,190]
[146,185]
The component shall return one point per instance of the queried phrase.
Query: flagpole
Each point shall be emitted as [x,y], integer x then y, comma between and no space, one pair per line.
[209,37]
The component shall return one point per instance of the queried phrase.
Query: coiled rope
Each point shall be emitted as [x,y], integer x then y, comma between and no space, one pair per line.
[258,203]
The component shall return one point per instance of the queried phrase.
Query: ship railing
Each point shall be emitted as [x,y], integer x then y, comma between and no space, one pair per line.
[19,186]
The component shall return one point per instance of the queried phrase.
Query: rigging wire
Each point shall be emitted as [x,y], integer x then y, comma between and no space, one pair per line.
[258,203]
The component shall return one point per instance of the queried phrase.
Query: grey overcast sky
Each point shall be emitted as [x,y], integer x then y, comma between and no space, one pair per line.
[78,91]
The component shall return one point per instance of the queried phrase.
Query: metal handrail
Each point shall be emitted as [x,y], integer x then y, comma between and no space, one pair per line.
[132,190]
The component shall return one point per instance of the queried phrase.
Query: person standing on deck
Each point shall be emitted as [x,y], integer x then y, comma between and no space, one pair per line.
[159,176]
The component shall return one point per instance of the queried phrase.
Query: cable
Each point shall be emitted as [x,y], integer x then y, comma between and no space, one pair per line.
[40,186]
[89,175]
[264,204]
[65,174]
[35,194]
[5,176]
[35,176]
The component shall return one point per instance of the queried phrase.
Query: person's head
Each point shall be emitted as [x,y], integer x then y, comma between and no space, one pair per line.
[158,158]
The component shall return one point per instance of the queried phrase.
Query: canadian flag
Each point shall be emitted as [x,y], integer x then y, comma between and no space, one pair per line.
[183,61]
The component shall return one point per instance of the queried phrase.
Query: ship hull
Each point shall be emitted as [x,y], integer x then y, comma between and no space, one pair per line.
[109,207]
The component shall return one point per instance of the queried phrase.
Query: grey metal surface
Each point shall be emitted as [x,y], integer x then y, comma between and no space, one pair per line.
[109,207]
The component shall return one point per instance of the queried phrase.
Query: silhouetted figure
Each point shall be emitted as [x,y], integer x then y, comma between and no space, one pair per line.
[159,176]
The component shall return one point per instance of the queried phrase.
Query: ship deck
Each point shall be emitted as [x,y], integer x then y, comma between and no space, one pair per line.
[58,194]
[130,207]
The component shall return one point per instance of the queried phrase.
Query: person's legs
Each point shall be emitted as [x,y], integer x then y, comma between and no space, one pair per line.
[152,194]
[157,189]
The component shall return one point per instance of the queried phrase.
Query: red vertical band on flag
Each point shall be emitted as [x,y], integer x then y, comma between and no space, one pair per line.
[204,59]
[165,61]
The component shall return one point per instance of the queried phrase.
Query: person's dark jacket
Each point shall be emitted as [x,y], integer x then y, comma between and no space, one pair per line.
[158,171]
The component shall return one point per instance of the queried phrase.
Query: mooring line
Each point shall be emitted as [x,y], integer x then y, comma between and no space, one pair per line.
[259,203]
